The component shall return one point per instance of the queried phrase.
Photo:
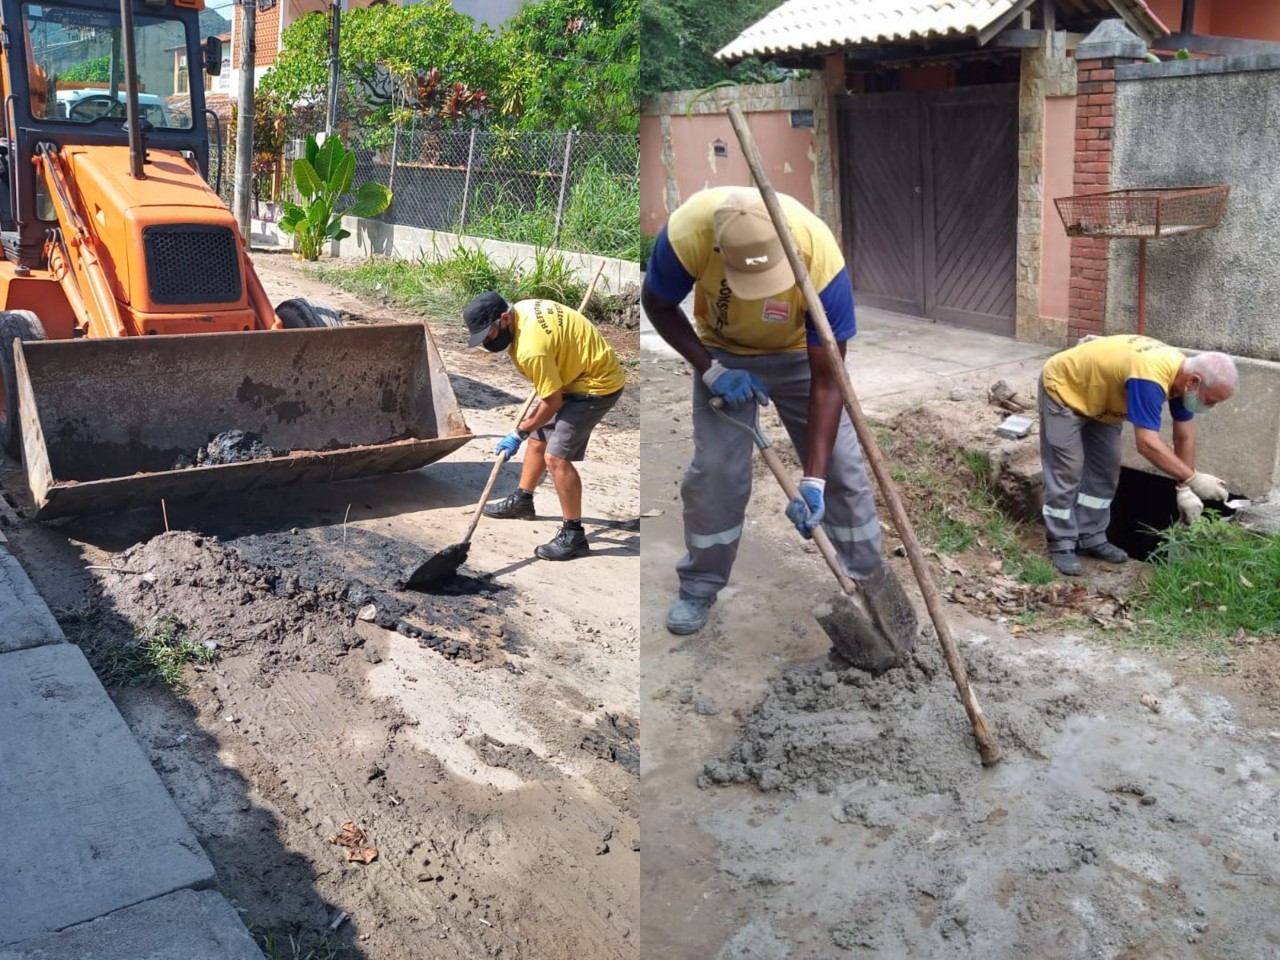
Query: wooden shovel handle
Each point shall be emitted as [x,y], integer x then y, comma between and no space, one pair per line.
[988,747]
[819,535]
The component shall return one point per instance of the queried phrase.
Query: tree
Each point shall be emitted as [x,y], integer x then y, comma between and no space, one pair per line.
[97,70]
[681,38]
[573,64]
[382,48]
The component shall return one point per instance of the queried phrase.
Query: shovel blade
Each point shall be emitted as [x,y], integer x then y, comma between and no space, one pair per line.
[441,565]
[875,628]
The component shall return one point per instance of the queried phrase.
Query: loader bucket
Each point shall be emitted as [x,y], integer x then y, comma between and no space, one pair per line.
[107,422]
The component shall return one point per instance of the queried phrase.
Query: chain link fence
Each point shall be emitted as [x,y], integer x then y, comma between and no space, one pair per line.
[571,191]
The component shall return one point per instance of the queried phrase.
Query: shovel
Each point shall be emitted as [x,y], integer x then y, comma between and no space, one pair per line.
[983,735]
[446,562]
[871,622]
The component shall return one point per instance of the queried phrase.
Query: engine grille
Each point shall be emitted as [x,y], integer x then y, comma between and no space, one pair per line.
[192,264]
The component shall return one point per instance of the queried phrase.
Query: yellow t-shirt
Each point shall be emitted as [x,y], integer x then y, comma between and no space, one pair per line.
[752,326]
[1092,378]
[557,348]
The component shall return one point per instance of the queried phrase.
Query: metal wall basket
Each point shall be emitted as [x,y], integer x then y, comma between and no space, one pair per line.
[1144,214]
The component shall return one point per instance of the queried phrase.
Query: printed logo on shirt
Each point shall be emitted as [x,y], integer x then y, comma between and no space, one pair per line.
[776,311]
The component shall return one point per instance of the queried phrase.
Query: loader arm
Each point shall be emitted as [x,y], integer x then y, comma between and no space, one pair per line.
[75,253]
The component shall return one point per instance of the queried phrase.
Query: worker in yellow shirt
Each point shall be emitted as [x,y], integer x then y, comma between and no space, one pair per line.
[1086,393]
[578,380]
[752,342]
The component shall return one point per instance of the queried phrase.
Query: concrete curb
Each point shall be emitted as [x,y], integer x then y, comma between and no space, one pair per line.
[25,620]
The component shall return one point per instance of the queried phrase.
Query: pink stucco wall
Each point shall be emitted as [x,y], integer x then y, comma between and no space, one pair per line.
[1243,19]
[788,154]
[1059,172]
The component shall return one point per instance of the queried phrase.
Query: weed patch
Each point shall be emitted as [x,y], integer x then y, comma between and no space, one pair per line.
[1210,581]
[157,656]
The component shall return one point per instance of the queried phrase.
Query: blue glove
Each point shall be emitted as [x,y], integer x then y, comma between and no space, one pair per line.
[735,387]
[509,444]
[806,511]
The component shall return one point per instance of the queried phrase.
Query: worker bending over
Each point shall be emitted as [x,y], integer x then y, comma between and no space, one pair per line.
[578,380]
[1085,394]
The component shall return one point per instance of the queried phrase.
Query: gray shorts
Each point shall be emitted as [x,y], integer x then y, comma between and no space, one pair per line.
[566,434]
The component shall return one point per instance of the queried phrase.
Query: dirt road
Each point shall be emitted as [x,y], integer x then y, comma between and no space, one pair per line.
[485,738]
[794,808]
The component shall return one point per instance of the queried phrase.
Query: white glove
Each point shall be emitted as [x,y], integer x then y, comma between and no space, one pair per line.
[1208,487]
[1189,505]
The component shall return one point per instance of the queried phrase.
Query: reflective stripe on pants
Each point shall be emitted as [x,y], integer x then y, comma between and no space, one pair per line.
[1081,461]
[717,485]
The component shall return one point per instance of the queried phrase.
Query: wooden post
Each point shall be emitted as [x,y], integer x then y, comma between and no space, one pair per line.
[466,182]
[564,187]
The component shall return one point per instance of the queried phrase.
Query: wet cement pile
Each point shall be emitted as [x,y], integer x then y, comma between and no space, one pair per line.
[230,446]
[1108,830]
[824,724]
[297,595]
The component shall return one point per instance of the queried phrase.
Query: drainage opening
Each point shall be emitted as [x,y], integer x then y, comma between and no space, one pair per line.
[1146,504]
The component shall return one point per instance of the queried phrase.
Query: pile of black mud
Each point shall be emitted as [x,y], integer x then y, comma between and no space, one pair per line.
[230,446]
[826,724]
[295,596]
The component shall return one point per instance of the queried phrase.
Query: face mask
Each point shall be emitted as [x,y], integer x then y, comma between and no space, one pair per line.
[500,341]
[1191,400]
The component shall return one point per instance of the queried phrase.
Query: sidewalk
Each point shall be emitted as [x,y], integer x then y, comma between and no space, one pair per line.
[99,864]
[896,360]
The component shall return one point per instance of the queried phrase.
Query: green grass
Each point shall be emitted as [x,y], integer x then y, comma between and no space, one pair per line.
[440,286]
[947,533]
[157,656]
[1210,581]
[601,214]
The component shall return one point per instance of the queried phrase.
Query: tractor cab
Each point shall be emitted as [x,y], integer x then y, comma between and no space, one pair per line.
[65,72]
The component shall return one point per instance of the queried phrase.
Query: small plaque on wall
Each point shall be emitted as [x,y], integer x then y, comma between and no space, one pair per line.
[802,118]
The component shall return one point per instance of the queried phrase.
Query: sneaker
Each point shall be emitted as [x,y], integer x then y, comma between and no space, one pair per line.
[1105,551]
[1066,562]
[569,543]
[514,507]
[689,613]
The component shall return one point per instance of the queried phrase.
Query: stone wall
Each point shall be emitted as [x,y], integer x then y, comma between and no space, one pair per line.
[1196,122]
[1047,71]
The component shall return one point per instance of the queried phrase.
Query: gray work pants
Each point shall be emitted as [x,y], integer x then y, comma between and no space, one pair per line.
[1081,460]
[717,486]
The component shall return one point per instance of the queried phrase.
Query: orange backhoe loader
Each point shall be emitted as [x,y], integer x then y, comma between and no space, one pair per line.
[133,328]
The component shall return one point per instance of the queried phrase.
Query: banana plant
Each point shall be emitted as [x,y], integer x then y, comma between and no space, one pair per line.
[324,176]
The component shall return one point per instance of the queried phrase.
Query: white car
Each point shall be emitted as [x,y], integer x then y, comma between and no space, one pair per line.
[89,103]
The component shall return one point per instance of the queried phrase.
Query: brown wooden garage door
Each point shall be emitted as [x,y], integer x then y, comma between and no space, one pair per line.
[929,187]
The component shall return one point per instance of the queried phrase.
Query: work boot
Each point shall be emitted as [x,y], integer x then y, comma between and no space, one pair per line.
[514,507]
[570,542]
[689,613]
[1105,551]
[1066,562]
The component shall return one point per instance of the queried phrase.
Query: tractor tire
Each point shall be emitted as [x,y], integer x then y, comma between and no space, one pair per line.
[297,314]
[14,325]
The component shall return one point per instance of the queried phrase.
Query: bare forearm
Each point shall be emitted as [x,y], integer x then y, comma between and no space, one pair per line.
[673,326]
[1161,456]
[825,407]
[547,408]
[1184,447]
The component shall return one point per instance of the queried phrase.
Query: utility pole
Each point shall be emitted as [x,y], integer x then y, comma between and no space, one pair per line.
[244,118]
[335,24]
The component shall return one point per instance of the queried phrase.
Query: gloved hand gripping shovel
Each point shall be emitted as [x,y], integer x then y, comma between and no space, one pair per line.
[983,735]
[871,622]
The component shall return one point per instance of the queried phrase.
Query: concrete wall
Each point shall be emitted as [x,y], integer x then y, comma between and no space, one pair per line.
[372,237]
[1201,122]
[678,143]
[1245,19]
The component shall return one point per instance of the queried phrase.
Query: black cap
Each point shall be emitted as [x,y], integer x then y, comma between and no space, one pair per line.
[481,314]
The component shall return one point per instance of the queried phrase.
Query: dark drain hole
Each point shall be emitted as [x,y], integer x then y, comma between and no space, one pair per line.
[1145,504]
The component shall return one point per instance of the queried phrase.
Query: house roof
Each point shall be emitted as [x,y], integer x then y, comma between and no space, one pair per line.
[800,26]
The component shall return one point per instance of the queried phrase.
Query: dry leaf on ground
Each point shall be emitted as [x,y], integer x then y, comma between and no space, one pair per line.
[357,843]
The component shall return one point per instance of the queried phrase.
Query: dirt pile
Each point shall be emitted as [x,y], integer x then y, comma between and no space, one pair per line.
[230,446]
[296,594]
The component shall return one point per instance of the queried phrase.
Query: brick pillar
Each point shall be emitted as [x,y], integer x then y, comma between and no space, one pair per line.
[1095,100]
